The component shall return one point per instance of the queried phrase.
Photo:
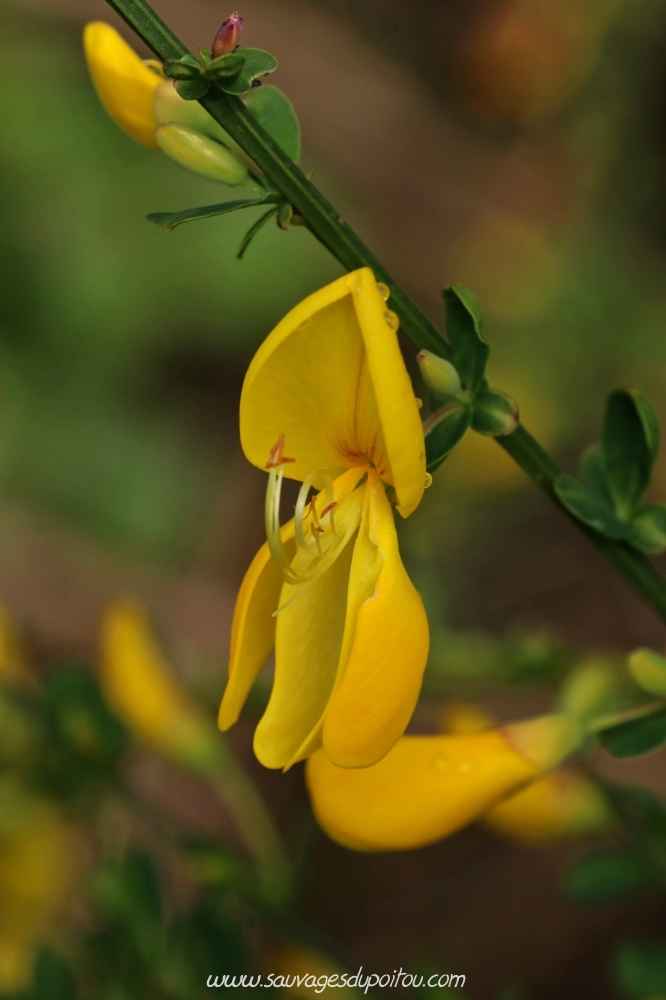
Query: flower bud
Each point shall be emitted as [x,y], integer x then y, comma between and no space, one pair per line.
[439,375]
[169,106]
[649,671]
[140,687]
[228,36]
[591,689]
[427,787]
[201,155]
[562,805]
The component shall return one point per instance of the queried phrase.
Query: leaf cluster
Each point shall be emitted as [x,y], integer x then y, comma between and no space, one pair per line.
[234,73]
[616,475]
[476,405]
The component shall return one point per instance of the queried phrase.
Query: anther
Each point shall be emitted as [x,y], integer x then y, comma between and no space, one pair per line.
[330,507]
[275,456]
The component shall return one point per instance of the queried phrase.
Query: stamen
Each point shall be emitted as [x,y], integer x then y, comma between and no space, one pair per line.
[275,456]
[329,508]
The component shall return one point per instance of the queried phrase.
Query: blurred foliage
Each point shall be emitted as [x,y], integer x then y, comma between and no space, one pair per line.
[108,327]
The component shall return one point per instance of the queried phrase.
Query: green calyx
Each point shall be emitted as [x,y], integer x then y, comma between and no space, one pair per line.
[235,72]
[616,475]
[460,392]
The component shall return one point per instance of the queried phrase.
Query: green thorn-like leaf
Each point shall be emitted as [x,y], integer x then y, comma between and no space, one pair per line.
[169,220]
[443,430]
[495,413]
[648,531]
[257,64]
[275,112]
[637,736]
[630,446]
[254,229]
[590,508]
[464,326]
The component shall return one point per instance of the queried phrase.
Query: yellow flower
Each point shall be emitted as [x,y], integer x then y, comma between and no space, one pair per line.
[37,871]
[429,786]
[140,687]
[329,389]
[126,86]
[562,805]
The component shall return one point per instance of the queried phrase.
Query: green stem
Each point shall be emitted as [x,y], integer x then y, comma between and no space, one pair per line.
[340,239]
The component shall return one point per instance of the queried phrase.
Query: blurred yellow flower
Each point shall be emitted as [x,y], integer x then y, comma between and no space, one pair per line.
[562,805]
[429,786]
[14,667]
[125,84]
[142,690]
[330,389]
[37,873]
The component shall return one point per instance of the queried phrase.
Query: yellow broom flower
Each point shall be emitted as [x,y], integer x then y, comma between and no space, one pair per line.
[563,805]
[140,687]
[37,870]
[125,84]
[428,787]
[329,389]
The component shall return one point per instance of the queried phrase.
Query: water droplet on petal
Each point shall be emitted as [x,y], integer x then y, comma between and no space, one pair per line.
[440,764]
[383,290]
[428,480]
[419,402]
[392,320]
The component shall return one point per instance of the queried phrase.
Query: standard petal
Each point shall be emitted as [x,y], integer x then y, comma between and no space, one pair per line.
[307,648]
[125,85]
[385,649]
[328,377]
[424,789]
[253,627]
[394,400]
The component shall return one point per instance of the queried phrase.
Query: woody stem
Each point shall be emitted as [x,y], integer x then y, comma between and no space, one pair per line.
[341,240]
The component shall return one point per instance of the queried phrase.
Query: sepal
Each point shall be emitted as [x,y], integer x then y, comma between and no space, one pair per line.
[443,430]
[496,414]
[201,155]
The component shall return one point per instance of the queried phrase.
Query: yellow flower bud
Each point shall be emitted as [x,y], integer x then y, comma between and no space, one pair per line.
[125,85]
[145,694]
[427,787]
[564,804]
[201,155]
[37,870]
[592,688]
[438,374]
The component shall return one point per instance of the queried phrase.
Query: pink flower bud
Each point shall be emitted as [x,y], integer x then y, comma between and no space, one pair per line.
[228,36]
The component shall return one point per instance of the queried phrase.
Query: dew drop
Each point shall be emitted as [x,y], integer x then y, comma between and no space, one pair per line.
[383,290]
[428,480]
[465,766]
[419,403]
[440,763]
[392,320]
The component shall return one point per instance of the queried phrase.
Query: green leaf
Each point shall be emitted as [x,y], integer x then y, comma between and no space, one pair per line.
[592,471]
[224,67]
[606,877]
[52,979]
[257,63]
[630,442]
[636,736]
[464,328]
[275,112]
[587,506]
[254,229]
[169,220]
[193,90]
[443,430]
[641,970]
[186,68]
[648,531]
[495,413]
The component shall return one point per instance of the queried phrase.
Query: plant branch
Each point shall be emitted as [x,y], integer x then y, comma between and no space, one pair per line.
[340,239]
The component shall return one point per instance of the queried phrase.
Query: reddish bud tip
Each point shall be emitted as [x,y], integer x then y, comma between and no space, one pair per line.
[228,36]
